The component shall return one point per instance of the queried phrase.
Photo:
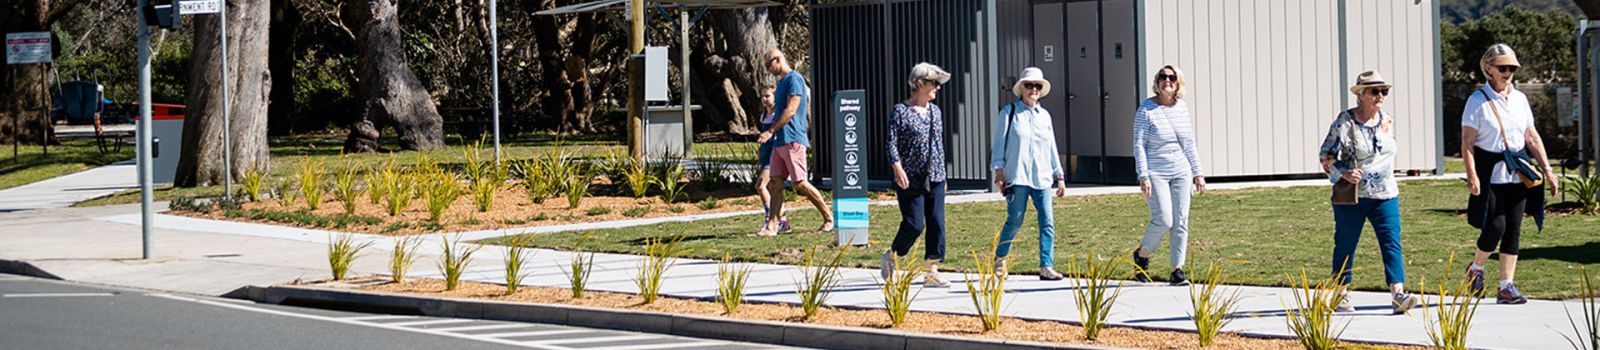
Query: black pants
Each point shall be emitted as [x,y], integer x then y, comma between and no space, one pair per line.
[921,211]
[1504,225]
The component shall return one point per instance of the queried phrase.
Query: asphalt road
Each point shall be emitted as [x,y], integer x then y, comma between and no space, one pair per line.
[46,314]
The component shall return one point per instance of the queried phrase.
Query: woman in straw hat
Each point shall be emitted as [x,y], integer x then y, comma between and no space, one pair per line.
[1026,165]
[915,147]
[1495,122]
[1167,162]
[1360,149]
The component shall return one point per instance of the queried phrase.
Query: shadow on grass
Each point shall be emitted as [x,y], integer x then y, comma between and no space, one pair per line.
[1581,254]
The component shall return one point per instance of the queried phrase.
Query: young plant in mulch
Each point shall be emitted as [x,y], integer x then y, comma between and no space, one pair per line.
[403,256]
[1311,317]
[577,272]
[284,194]
[342,252]
[311,182]
[517,254]
[484,177]
[709,203]
[821,274]
[1448,322]
[988,287]
[344,186]
[254,176]
[597,211]
[535,179]
[398,188]
[638,178]
[1587,335]
[637,211]
[670,183]
[731,278]
[660,253]
[377,188]
[439,191]
[711,173]
[897,294]
[453,262]
[577,188]
[1212,308]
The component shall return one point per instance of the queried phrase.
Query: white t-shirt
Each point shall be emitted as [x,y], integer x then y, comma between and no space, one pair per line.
[1515,114]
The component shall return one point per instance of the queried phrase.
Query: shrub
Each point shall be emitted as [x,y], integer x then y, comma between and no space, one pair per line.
[342,252]
[311,182]
[577,272]
[659,255]
[484,177]
[400,186]
[536,180]
[441,190]
[377,187]
[1212,308]
[1095,293]
[253,178]
[402,256]
[454,260]
[1585,189]
[639,179]
[988,288]
[731,278]
[670,183]
[344,187]
[517,255]
[709,203]
[1449,321]
[1311,318]
[897,294]
[821,275]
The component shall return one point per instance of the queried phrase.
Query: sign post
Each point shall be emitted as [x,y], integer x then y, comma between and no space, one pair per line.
[144,129]
[850,202]
[29,48]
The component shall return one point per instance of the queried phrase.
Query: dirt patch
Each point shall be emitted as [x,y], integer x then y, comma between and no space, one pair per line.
[916,322]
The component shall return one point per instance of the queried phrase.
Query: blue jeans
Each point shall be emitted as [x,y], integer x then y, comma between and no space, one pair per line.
[1016,206]
[921,212]
[1348,220]
[1169,216]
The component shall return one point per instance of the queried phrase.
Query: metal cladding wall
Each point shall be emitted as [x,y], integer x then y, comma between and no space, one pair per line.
[1266,77]
[873,47]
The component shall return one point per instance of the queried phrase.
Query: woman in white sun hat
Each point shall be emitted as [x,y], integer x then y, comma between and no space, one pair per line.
[1026,165]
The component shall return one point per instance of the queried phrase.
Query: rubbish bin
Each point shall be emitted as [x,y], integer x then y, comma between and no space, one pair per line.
[168,128]
[666,135]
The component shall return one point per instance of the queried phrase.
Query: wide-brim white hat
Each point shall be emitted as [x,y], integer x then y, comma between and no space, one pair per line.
[1032,74]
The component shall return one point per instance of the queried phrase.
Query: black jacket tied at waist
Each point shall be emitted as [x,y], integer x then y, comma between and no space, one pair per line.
[1481,206]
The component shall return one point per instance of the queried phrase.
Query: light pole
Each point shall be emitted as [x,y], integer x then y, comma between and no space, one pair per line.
[144,128]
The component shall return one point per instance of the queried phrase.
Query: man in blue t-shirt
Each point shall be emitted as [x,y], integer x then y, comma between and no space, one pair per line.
[789,133]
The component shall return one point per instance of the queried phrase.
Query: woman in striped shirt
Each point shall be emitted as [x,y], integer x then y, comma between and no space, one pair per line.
[1166,158]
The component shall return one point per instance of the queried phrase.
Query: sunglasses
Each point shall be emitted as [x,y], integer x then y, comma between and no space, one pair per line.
[1034,86]
[1167,77]
[1376,92]
[1507,69]
[935,83]
[771,61]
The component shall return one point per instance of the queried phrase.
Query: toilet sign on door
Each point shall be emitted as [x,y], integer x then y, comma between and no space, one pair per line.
[849,172]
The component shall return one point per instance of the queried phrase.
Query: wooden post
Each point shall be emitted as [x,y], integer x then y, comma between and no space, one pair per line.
[635,88]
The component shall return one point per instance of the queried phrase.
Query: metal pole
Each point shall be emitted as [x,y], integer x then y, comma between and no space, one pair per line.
[227,127]
[688,121]
[44,88]
[144,128]
[494,75]
[1583,93]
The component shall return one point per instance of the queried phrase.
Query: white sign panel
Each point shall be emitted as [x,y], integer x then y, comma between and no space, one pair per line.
[655,73]
[27,47]
[199,7]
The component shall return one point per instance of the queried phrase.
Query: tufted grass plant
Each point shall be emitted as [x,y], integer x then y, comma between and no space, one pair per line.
[731,279]
[344,186]
[639,179]
[660,254]
[377,188]
[577,187]
[577,271]
[484,177]
[897,294]
[517,254]
[1311,317]
[1448,322]
[1587,335]
[402,257]
[254,176]
[310,176]
[821,274]
[398,188]
[1212,308]
[284,194]
[440,190]
[1585,189]
[670,182]
[535,178]
[342,252]
[454,260]
[988,287]
[1095,292]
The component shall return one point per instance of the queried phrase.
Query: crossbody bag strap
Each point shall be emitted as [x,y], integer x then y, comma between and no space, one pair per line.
[1498,123]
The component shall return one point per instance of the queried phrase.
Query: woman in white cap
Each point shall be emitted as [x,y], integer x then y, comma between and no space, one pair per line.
[1497,124]
[916,154]
[1026,165]
[1167,162]
[1360,149]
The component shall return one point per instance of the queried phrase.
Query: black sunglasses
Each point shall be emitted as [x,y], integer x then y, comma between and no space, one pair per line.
[1035,86]
[1384,92]
[933,82]
[1507,69]
[1167,77]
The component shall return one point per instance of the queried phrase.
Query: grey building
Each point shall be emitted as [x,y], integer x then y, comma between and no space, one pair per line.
[1265,77]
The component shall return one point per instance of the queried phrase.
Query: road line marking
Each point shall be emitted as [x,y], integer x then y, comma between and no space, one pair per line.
[599,339]
[661,346]
[531,333]
[55,295]
[427,322]
[481,328]
[378,317]
[359,323]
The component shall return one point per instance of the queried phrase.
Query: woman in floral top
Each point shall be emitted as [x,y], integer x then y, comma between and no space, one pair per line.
[1360,147]
[915,147]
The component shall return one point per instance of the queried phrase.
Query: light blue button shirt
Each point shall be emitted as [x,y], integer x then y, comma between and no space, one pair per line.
[1028,154]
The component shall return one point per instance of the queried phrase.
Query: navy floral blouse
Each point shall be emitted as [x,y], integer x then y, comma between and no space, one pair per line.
[916,140]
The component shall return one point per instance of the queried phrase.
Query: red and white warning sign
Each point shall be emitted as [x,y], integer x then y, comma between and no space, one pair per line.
[27,47]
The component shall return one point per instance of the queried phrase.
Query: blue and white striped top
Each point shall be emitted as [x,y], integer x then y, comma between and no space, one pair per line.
[1163,141]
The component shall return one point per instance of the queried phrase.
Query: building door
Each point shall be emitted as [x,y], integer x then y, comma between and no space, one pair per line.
[1120,83]
[1050,56]
[1083,95]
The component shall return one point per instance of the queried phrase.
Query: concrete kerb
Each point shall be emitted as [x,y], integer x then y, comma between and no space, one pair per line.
[768,332]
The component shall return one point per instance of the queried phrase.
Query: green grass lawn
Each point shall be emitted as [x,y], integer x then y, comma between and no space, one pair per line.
[70,156]
[1261,234]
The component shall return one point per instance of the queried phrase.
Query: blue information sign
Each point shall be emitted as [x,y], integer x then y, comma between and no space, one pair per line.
[850,202]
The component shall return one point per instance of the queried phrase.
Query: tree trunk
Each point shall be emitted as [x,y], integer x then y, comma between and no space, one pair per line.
[23,96]
[735,75]
[394,97]
[286,20]
[249,86]
[557,103]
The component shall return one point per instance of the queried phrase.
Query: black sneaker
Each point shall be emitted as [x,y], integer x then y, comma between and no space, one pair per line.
[1142,275]
[1179,278]
[1510,295]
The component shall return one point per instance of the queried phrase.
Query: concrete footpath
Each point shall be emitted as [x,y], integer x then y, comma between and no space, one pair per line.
[64,191]
[102,246]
